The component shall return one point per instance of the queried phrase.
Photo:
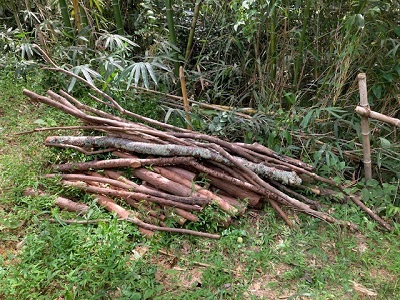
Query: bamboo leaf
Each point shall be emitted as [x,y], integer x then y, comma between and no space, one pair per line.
[306,119]
[86,74]
[144,75]
[71,84]
[137,73]
[151,72]
[168,115]
[131,70]
[161,66]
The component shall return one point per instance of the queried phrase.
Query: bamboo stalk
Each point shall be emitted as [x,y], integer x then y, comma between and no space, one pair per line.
[172,35]
[184,95]
[363,111]
[192,29]
[201,104]
[65,18]
[362,84]
[118,17]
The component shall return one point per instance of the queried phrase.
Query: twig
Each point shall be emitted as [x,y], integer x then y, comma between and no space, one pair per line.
[71,74]
[196,263]
[81,221]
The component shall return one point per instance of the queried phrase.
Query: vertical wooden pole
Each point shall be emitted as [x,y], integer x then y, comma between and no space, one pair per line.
[362,85]
[184,95]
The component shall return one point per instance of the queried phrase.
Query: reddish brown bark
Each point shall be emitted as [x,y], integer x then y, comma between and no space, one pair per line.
[131,195]
[199,190]
[188,175]
[61,202]
[245,195]
[123,213]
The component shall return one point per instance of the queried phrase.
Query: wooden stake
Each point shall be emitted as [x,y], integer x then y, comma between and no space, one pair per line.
[184,95]
[362,85]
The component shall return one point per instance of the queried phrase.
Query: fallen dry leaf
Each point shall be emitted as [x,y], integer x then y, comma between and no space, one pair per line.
[362,289]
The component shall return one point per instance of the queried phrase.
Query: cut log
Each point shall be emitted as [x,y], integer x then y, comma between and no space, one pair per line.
[173,150]
[130,195]
[61,202]
[199,190]
[245,195]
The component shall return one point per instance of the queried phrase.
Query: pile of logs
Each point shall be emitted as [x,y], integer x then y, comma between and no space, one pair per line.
[166,173]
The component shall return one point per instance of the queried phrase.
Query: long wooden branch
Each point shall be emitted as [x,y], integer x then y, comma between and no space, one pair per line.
[173,150]
[127,216]
[130,195]
[131,186]
[121,162]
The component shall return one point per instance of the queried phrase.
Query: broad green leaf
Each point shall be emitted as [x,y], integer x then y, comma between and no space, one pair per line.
[360,21]
[40,122]
[385,143]
[389,77]
[377,90]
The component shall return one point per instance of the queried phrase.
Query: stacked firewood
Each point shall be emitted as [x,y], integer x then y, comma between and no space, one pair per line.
[156,169]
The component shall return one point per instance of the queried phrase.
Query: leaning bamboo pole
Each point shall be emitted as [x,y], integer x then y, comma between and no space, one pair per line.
[362,85]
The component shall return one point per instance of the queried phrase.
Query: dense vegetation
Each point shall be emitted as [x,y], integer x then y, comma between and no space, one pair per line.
[294,63]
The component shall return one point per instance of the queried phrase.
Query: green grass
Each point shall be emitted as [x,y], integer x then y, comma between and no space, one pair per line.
[257,257]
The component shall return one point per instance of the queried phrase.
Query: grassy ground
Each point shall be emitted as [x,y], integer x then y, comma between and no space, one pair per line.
[258,257]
